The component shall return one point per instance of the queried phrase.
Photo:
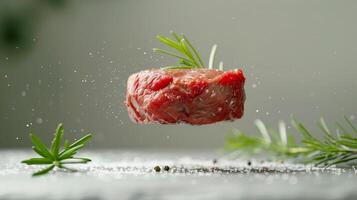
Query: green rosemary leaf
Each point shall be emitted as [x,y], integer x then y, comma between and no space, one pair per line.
[344,159]
[326,160]
[186,64]
[349,144]
[170,43]
[187,52]
[302,130]
[194,50]
[66,145]
[350,124]
[56,142]
[81,141]
[341,128]
[44,171]
[348,137]
[41,153]
[70,152]
[171,54]
[40,146]
[37,161]
[175,36]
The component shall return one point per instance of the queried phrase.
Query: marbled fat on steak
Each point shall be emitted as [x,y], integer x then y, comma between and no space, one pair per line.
[193,96]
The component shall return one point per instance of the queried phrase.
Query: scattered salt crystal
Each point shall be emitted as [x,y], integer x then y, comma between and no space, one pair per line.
[39,120]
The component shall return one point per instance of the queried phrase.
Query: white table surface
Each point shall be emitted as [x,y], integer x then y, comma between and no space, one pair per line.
[192,175]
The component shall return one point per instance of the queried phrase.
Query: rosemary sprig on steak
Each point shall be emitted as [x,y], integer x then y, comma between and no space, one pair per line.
[184,51]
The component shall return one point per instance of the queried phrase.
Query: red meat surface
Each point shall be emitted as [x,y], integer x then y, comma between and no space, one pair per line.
[193,96]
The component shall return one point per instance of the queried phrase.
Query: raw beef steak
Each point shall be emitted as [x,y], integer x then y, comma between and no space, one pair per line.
[193,96]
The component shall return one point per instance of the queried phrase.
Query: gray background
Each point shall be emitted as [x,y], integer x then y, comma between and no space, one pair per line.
[299,58]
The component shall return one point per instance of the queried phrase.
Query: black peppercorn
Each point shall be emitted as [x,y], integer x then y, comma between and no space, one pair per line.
[249,163]
[157,168]
[166,168]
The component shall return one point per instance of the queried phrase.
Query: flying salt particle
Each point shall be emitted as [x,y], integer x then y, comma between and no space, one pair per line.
[257,110]
[267,113]
[17,138]
[5,75]
[145,53]
[254,85]
[23,93]
[39,120]
[138,48]
[27,125]
[90,53]
[352,117]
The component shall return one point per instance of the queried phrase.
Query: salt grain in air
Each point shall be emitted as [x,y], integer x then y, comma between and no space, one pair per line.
[39,120]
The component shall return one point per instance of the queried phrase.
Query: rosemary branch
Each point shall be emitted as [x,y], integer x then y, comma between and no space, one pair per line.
[185,52]
[56,157]
[331,150]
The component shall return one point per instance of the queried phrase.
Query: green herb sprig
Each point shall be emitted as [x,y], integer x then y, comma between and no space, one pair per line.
[56,157]
[331,150]
[185,52]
